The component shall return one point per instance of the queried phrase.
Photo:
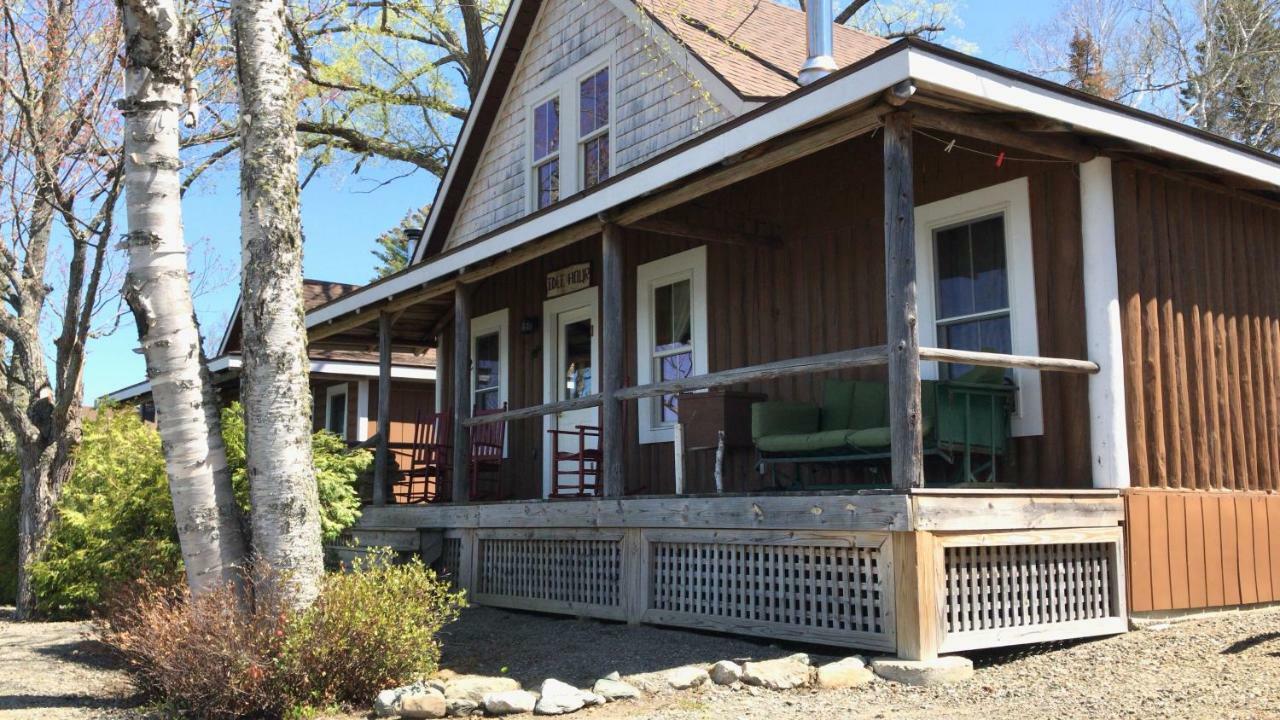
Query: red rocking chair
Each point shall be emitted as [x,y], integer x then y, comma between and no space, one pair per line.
[576,472]
[487,443]
[427,478]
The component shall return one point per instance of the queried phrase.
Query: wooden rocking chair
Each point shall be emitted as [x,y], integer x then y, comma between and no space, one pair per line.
[581,477]
[428,478]
[487,443]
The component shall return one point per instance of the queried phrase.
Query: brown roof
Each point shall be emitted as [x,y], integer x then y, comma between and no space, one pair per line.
[318,292]
[402,359]
[756,46]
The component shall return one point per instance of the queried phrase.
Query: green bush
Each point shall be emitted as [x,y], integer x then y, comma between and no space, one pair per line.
[115,517]
[337,471]
[10,497]
[368,630]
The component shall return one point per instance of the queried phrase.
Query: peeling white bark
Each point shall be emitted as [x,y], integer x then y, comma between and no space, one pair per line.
[158,291]
[274,384]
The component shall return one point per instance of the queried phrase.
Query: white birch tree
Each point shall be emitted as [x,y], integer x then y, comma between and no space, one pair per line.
[274,384]
[158,96]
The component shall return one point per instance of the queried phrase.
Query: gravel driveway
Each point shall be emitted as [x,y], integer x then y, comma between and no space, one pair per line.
[1221,667]
[53,671]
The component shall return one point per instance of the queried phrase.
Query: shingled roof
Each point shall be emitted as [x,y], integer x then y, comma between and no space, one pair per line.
[755,46]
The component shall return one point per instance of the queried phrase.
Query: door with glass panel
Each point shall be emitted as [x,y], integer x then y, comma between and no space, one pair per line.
[570,363]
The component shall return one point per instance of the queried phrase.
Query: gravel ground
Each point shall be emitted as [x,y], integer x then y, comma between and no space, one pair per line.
[53,671]
[1226,666]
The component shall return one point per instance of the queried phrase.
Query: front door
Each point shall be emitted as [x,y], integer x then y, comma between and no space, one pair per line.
[571,367]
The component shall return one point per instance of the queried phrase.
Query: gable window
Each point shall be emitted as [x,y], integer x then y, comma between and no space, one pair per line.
[977,286]
[593,127]
[546,153]
[489,361]
[335,410]
[671,327]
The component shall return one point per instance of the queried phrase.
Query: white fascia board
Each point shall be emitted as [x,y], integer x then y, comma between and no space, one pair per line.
[499,47]
[328,367]
[818,103]
[226,332]
[954,77]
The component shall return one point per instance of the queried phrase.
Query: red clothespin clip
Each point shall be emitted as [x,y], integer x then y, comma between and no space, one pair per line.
[1000,159]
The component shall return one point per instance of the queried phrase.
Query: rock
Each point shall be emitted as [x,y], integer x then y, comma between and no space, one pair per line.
[510,702]
[426,704]
[846,673]
[558,698]
[683,678]
[781,674]
[944,670]
[464,693]
[726,672]
[614,676]
[387,703]
[615,689]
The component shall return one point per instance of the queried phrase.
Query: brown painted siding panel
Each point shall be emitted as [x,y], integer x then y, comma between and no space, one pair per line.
[1201,333]
[1189,550]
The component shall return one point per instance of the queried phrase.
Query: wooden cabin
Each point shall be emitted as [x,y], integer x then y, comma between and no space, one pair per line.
[664,221]
[343,383]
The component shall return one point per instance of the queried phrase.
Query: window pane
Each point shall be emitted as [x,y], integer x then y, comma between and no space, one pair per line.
[595,161]
[990,280]
[488,400]
[593,105]
[671,367]
[337,414]
[577,360]
[987,335]
[546,128]
[487,363]
[972,268]
[671,316]
[548,183]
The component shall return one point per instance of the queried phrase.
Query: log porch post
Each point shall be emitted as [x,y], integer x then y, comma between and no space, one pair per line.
[613,361]
[382,455]
[461,392]
[907,447]
[1108,424]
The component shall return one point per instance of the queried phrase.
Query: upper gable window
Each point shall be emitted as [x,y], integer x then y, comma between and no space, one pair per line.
[546,153]
[570,143]
[593,127]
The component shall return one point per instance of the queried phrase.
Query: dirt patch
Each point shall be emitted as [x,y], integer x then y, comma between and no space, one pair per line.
[55,671]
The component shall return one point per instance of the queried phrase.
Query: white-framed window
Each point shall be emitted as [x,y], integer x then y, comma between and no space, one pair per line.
[335,410]
[976,285]
[671,333]
[489,366]
[570,130]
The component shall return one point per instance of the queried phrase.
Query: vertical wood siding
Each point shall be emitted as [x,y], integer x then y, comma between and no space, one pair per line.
[1189,550]
[821,291]
[657,105]
[1200,309]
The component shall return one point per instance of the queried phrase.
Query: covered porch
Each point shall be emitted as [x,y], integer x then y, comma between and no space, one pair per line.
[784,270]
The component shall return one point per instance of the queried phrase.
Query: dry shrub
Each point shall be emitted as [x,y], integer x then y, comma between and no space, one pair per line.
[220,657]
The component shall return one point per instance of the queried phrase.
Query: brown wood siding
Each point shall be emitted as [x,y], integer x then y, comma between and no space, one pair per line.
[1187,550]
[822,290]
[1200,310]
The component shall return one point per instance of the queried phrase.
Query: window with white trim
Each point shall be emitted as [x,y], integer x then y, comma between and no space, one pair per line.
[567,155]
[489,366]
[671,318]
[335,410]
[976,286]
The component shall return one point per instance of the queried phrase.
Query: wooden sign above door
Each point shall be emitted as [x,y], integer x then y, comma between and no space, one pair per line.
[569,279]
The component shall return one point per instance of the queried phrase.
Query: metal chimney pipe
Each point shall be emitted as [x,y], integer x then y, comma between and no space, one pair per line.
[820,62]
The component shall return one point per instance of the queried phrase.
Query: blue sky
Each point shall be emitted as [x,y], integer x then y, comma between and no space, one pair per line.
[342,214]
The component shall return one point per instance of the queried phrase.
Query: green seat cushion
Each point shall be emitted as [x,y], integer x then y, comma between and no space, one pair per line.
[876,438]
[815,442]
[781,417]
[838,399]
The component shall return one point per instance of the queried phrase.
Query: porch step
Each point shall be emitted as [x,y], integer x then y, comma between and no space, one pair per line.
[358,541]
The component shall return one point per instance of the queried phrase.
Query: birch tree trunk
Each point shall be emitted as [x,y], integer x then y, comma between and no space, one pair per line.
[158,291]
[274,384]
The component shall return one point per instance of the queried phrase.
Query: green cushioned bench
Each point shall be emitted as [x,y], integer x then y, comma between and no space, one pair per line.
[965,422]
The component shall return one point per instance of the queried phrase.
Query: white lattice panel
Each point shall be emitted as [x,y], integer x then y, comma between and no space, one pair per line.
[553,571]
[821,590]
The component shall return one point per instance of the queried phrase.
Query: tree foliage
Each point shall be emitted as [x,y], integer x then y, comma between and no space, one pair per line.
[394,249]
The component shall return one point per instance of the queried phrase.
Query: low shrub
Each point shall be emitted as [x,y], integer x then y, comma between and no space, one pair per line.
[10,499]
[369,629]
